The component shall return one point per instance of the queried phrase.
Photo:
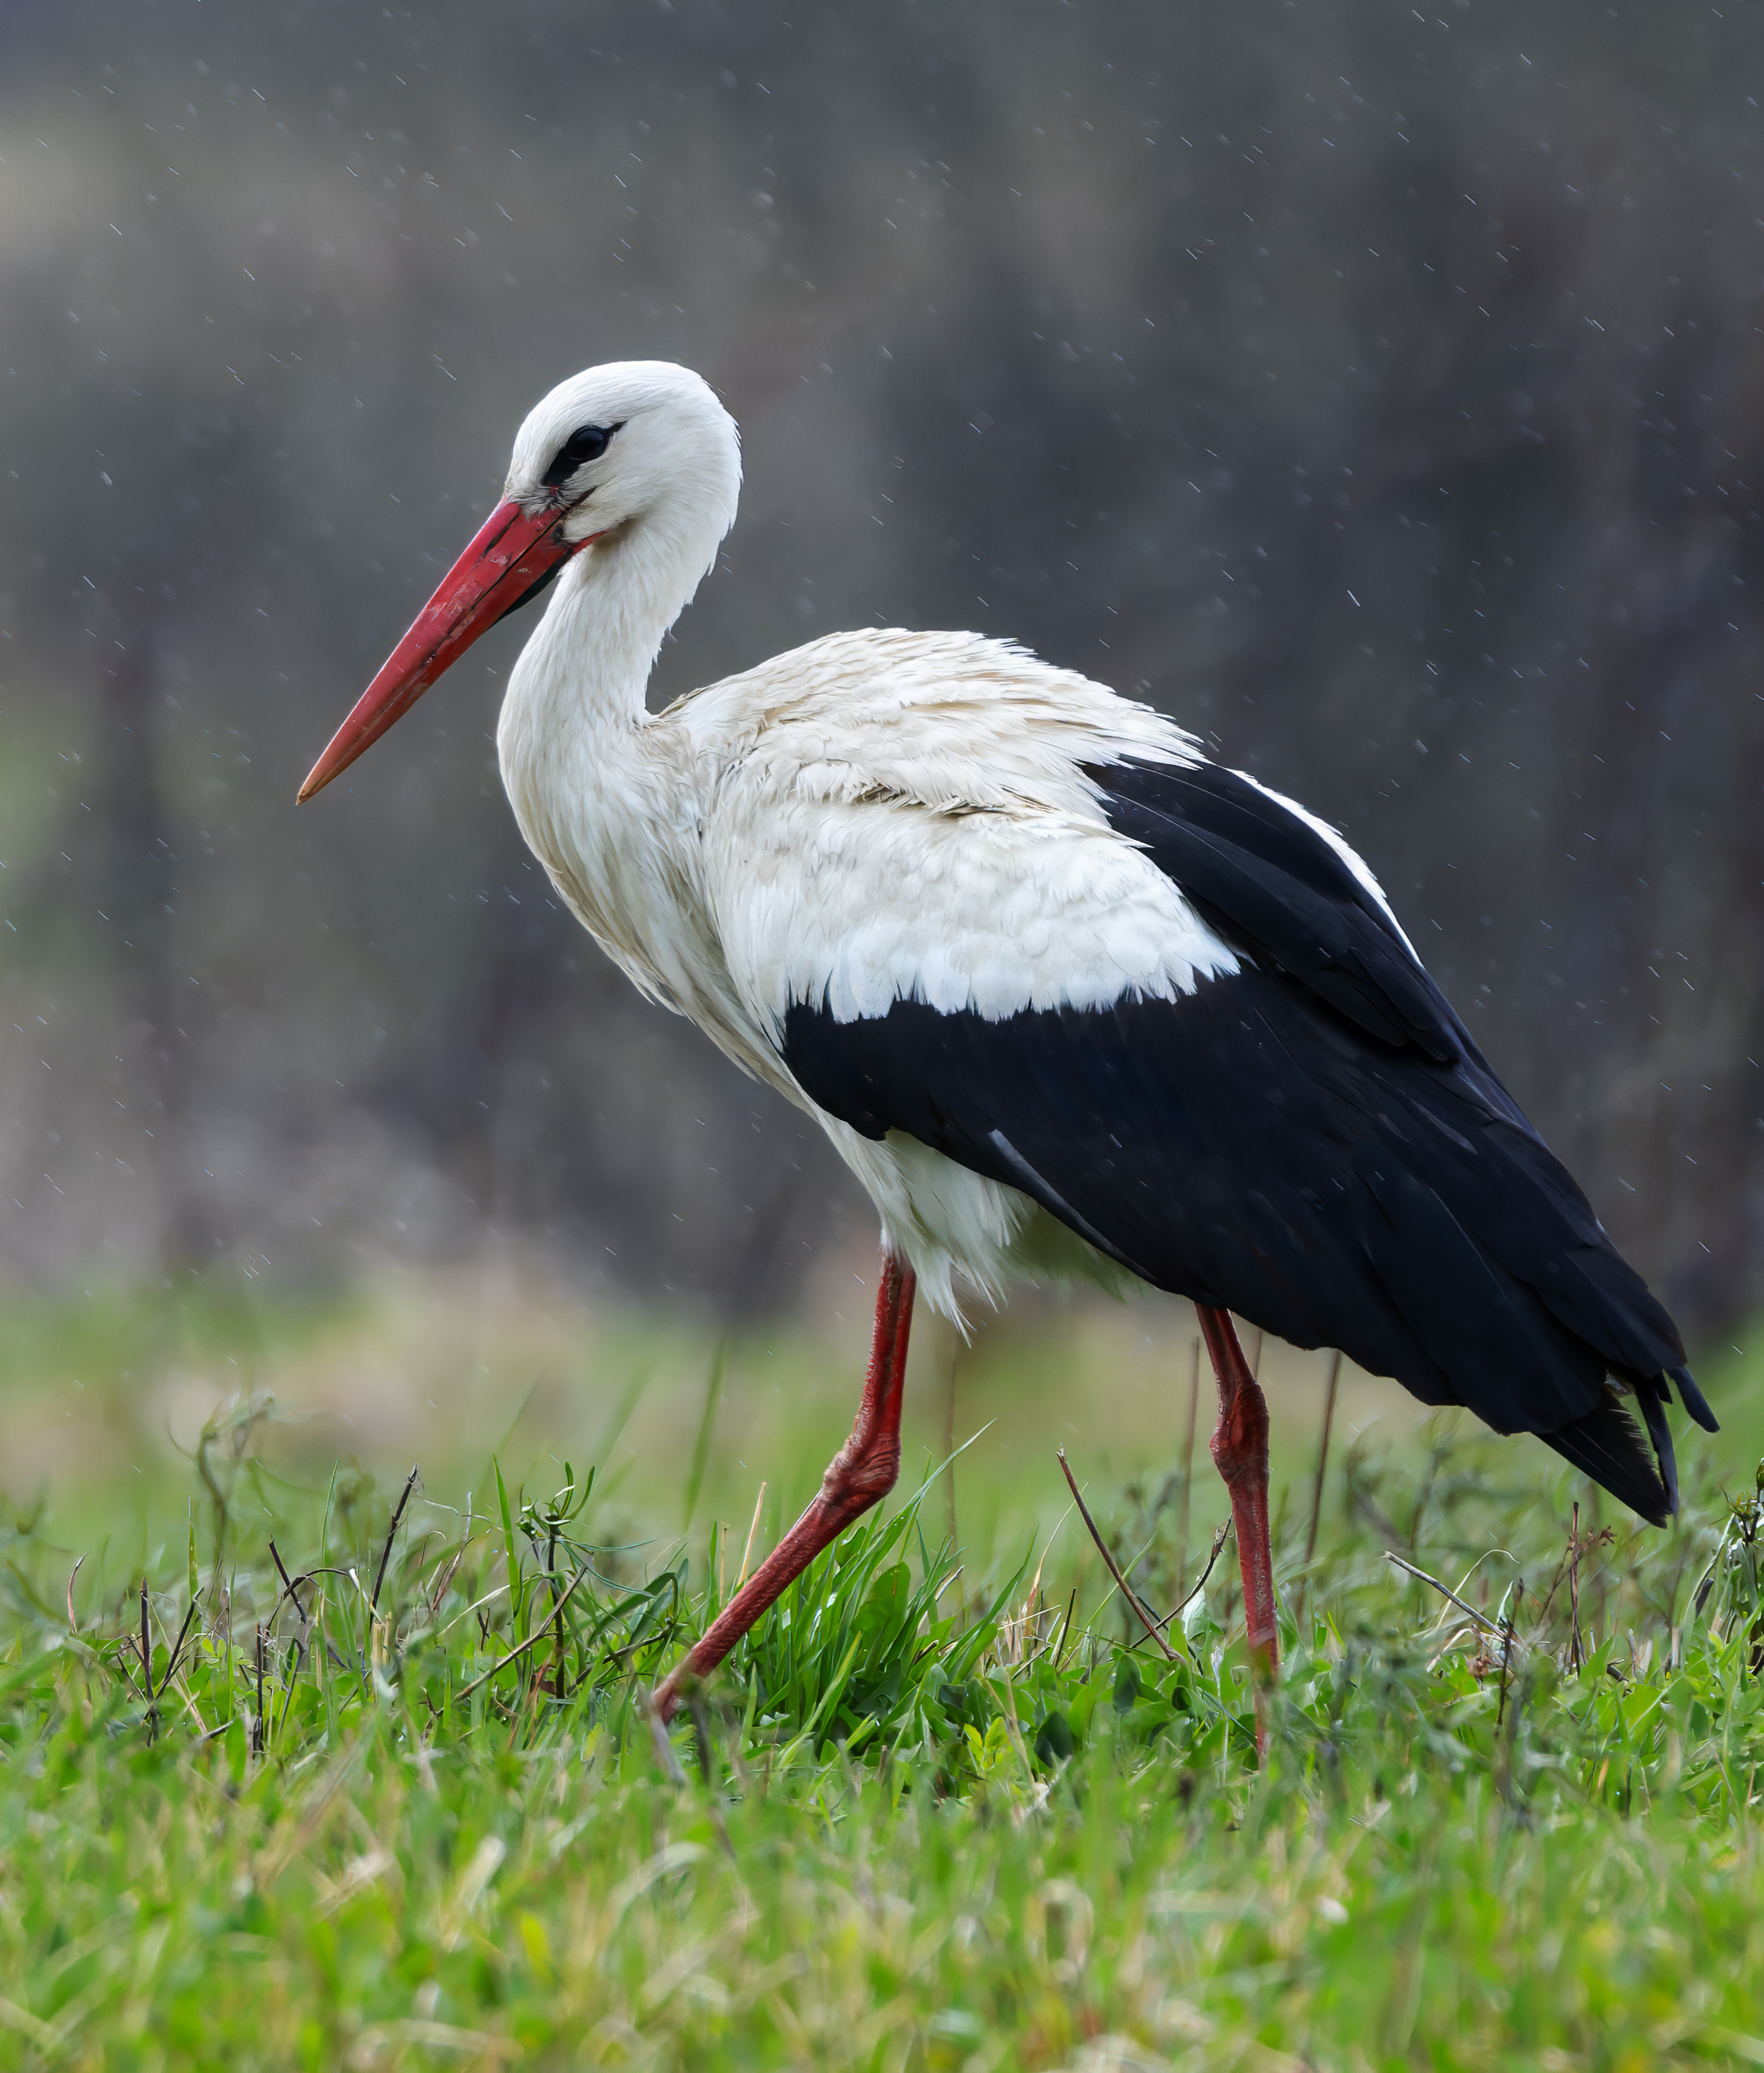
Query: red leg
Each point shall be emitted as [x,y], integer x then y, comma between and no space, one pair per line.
[1240,1453]
[862,1472]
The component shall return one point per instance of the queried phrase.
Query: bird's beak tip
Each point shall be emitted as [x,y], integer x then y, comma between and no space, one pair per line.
[512,555]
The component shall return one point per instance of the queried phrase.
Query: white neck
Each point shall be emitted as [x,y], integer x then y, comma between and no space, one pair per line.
[601,794]
[608,614]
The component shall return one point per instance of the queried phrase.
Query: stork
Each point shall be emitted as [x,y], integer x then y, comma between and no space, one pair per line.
[1066,996]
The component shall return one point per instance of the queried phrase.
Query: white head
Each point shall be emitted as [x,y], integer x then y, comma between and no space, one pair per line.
[637,442]
[637,459]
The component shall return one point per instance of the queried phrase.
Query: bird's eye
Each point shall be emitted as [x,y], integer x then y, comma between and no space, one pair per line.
[588,443]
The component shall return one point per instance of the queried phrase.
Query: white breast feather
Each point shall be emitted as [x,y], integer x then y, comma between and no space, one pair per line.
[904,816]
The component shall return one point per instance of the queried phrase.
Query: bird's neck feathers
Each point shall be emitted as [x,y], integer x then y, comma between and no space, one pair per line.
[601,794]
[574,716]
[595,648]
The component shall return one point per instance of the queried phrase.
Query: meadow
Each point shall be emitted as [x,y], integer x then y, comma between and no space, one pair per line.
[308,1759]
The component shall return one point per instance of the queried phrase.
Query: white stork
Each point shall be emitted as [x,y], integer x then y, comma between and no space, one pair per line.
[1063,993]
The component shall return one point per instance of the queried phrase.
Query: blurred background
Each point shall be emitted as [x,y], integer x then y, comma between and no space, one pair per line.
[1379,390]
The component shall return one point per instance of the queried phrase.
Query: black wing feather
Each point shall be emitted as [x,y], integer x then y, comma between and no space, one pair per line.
[1314,1143]
[1272,885]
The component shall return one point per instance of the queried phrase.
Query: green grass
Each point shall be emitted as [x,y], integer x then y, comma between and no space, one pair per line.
[934,1814]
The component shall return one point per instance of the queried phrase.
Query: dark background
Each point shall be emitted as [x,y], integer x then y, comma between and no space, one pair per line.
[1380,390]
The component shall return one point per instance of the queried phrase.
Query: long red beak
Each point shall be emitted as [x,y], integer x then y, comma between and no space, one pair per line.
[509,557]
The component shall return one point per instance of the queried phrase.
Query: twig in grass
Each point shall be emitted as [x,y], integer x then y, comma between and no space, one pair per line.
[392,1534]
[282,1569]
[1071,1607]
[290,1590]
[1084,1513]
[177,1650]
[514,1654]
[290,1586]
[1221,1535]
[73,1624]
[1574,1657]
[448,1575]
[1603,1536]
[747,1552]
[257,1736]
[1444,1590]
[120,1662]
[147,1664]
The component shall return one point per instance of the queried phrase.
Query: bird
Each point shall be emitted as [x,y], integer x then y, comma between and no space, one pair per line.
[1066,996]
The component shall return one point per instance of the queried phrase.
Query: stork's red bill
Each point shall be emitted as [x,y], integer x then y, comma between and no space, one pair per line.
[516,553]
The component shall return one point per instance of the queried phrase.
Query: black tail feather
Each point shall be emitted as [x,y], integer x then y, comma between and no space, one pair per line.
[1692,1398]
[1607,1445]
[1652,1397]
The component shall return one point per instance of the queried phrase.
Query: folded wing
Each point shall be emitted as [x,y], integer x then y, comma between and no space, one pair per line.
[1306,1135]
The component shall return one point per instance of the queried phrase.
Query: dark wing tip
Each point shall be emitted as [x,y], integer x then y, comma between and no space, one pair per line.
[1651,1394]
[1607,1445]
[1693,1398]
